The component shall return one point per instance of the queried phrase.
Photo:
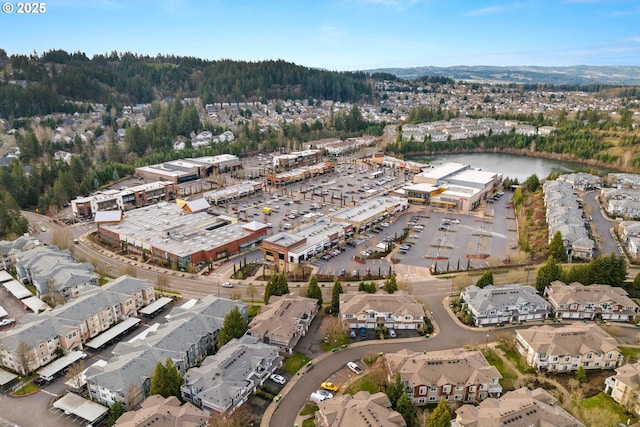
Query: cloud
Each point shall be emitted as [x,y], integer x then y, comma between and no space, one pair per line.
[635,39]
[332,34]
[492,10]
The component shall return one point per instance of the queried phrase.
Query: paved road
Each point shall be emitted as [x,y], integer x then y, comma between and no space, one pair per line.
[601,226]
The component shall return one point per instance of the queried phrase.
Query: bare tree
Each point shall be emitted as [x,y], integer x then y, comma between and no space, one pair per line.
[334,330]
[62,239]
[26,358]
[241,417]
[74,375]
[162,283]
[134,396]
[251,291]
[130,270]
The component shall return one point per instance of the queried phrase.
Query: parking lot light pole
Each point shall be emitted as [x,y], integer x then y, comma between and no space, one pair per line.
[486,343]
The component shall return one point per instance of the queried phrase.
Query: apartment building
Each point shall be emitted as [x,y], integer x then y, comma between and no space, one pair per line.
[624,387]
[565,349]
[68,327]
[454,375]
[397,311]
[363,409]
[190,334]
[225,380]
[283,321]
[593,302]
[504,304]
[521,407]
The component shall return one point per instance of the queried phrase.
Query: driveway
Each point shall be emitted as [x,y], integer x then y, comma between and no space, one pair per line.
[601,225]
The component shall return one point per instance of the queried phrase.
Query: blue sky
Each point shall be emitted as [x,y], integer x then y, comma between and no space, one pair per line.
[340,34]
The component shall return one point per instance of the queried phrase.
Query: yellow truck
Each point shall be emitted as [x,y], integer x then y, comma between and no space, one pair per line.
[266,210]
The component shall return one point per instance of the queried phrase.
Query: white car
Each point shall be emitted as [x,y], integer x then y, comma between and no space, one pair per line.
[227,285]
[325,393]
[279,379]
[6,322]
[392,333]
[354,367]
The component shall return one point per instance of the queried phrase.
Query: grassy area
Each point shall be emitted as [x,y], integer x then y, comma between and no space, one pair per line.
[254,310]
[293,363]
[601,410]
[366,382]
[517,360]
[28,388]
[309,409]
[508,376]
[309,423]
[630,353]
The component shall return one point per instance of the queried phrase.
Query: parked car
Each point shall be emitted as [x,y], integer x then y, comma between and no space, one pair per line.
[7,322]
[328,385]
[278,379]
[392,333]
[354,367]
[227,285]
[317,397]
[325,393]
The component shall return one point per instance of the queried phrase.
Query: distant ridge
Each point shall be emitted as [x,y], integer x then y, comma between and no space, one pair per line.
[572,75]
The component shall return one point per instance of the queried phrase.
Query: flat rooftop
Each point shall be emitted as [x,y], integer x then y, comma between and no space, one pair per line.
[167,227]
[442,171]
[474,175]
[367,209]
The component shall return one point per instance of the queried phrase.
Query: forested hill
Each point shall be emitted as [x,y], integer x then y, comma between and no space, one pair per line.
[40,84]
[580,75]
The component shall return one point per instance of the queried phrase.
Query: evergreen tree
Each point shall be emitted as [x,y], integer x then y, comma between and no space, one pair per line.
[390,286]
[115,411]
[314,291]
[549,272]
[277,285]
[406,409]
[556,248]
[234,326]
[395,389]
[335,297]
[532,183]
[440,417]
[485,279]
[581,375]
[166,380]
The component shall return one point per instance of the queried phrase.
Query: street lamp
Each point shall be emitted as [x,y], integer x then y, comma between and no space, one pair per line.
[349,381]
[486,343]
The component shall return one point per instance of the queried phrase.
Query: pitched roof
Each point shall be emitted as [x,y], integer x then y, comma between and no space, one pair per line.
[455,367]
[361,410]
[398,303]
[164,412]
[279,320]
[522,407]
[576,339]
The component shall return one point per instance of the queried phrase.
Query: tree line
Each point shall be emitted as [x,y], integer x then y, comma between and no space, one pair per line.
[41,84]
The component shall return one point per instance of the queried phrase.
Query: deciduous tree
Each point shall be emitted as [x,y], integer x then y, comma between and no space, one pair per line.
[441,416]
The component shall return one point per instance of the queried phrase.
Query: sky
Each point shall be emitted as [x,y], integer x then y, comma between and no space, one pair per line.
[341,35]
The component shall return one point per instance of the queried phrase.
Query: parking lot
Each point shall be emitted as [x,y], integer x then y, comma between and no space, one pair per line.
[478,239]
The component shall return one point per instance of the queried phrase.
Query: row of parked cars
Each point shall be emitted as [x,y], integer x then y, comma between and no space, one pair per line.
[327,388]
[495,197]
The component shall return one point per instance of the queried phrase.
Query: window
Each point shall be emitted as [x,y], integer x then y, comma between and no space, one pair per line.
[422,390]
[588,356]
[432,398]
[472,388]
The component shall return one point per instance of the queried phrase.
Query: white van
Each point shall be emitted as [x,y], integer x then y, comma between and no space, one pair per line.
[287,226]
[317,397]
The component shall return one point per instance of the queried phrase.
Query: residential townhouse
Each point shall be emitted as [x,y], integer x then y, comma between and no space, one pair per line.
[225,380]
[621,202]
[360,410]
[624,387]
[629,233]
[565,214]
[521,407]
[187,338]
[624,180]
[71,325]
[9,249]
[455,375]
[565,349]
[54,272]
[283,321]
[398,311]
[164,412]
[504,304]
[593,302]
[582,181]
